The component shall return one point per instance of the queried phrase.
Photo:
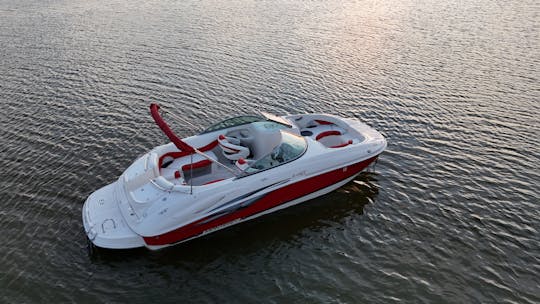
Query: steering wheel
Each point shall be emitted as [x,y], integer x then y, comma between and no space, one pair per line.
[277,154]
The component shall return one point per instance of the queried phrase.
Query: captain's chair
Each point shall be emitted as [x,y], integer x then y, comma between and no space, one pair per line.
[232,148]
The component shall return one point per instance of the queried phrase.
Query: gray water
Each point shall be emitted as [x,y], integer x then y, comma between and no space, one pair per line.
[450,213]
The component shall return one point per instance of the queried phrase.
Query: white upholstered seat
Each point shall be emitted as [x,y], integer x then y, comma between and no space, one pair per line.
[231,148]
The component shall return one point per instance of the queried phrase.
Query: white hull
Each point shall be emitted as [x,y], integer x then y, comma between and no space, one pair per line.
[283,206]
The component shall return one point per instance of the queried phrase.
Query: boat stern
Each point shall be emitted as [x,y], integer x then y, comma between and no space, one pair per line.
[104,224]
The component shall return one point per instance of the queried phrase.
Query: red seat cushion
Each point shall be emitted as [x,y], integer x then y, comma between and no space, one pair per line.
[327,133]
[324,122]
[179,154]
[344,144]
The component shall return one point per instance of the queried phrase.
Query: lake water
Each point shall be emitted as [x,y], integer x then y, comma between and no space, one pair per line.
[450,213]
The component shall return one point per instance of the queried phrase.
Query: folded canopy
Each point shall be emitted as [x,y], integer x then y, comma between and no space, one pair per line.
[154,110]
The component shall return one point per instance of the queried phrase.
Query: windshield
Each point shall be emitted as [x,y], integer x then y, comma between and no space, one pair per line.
[231,122]
[290,148]
[277,119]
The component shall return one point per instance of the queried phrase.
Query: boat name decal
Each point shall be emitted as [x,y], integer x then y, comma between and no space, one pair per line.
[235,200]
[238,203]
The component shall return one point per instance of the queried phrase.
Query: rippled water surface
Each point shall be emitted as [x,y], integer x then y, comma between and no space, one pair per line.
[449,214]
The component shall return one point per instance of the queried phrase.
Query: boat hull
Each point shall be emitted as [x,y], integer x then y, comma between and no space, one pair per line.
[286,196]
[104,224]
[160,200]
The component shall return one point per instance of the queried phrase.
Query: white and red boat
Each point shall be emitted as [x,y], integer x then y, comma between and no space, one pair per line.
[234,171]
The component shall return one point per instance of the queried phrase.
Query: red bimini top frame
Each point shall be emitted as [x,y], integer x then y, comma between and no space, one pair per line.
[154,110]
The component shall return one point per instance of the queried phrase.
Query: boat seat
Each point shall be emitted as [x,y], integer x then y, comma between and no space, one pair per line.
[327,133]
[179,168]
[323,130]
[337,141]
[231,147]
[346,143]
[332,136]
[243,164]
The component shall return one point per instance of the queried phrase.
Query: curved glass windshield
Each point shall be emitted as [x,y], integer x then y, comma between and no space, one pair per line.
[231,122]
[290,148]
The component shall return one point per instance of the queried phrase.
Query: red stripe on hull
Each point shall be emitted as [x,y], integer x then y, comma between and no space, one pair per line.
[270,200]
